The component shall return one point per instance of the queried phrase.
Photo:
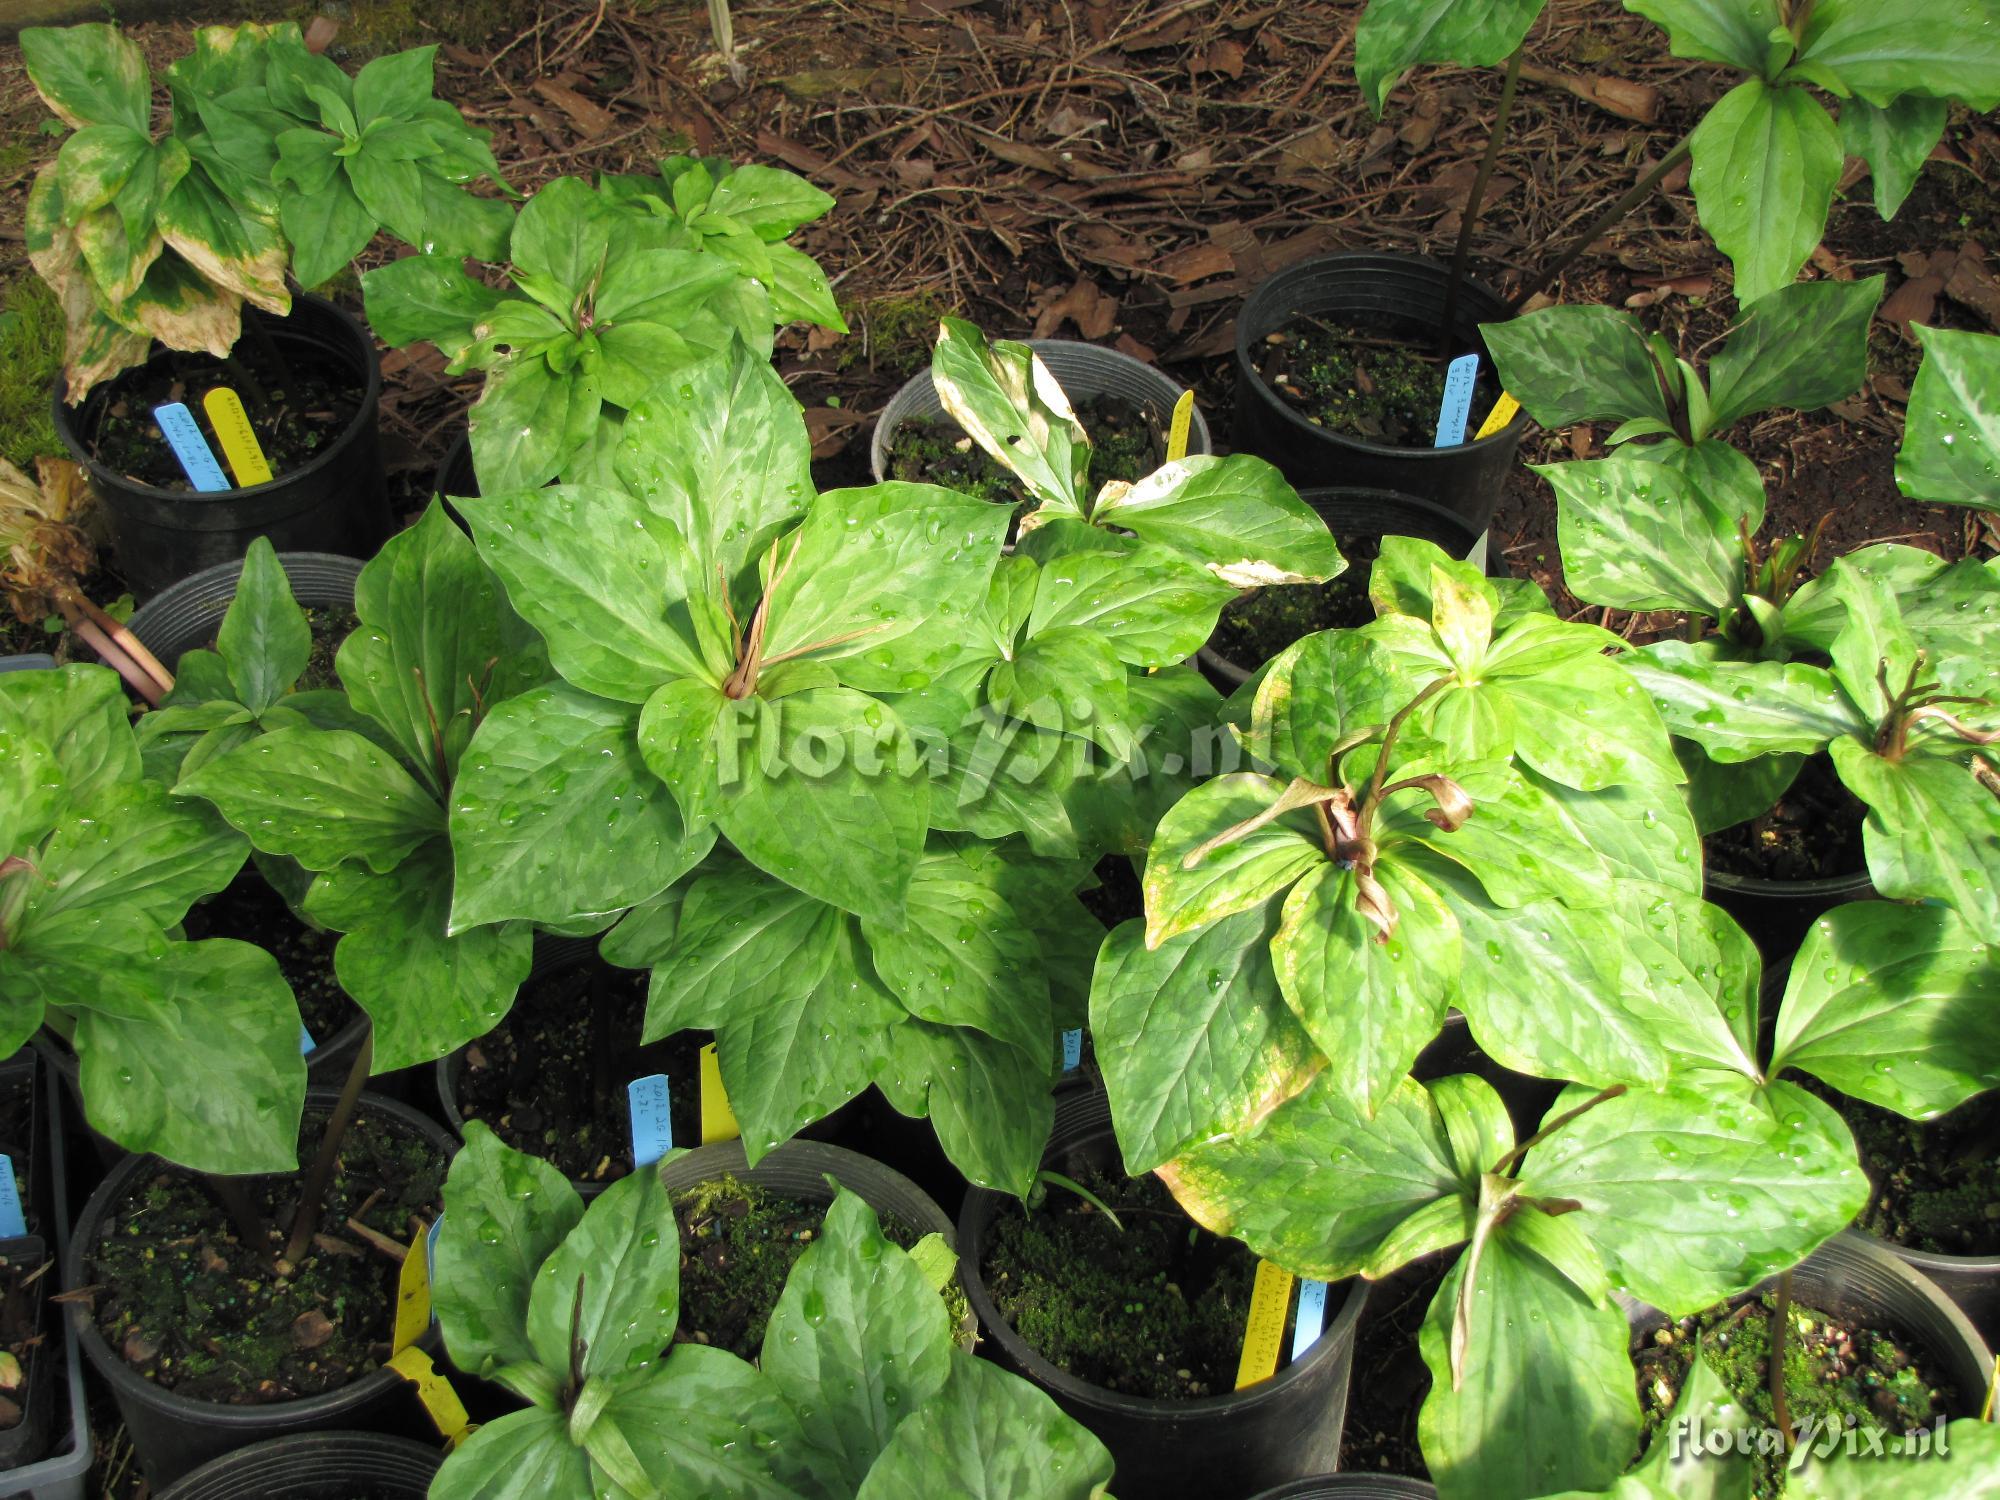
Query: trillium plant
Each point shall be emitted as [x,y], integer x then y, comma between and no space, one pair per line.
[859,1390]
[1680,1196]
[1440,821]
[272,156]
[614,295]
[378,151]
[1767,156]
[100,866]
[143,238]
[1802,347]
[1906,708]
[358,791]
[810,720]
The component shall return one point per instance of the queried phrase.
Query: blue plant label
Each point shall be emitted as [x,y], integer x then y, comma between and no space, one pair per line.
[12,1222]
[652,1120]
[1459,378]
[1072,1045]
[431,1259]
[306,1042]
[1311,1319]
[184,436]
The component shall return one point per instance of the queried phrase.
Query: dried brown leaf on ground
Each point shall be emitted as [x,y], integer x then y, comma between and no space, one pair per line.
[593,120]
[1085,305]
[1972,284]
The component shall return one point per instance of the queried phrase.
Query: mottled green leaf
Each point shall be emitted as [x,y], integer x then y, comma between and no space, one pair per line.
[1369,1005]
[1803,346]
[857,1342]
[1194,1038]
[321,796]
[1546,1400]
[1953,433]
[201,1065]
[1766,161]
[612,1283]
[1578,364]
[555,815]
[1933,831]
[1897,1005]
[1701,1189]
[426,991]
[265,640]
[1320,1188]
[989,1435]
[505,1212]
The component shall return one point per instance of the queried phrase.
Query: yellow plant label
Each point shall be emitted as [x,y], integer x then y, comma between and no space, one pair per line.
[446,1411]
[1502,413]
[1183,423]
[718,1120]
[1264,1334]
[413,1295]
[239,442]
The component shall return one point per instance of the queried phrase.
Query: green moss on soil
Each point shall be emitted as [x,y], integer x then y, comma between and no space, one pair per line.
[31,348]
[1932,1185]
[1157,1311]
[1836,1375]
[892,333]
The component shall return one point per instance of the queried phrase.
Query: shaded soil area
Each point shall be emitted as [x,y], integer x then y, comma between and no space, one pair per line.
[551,1078]
[1934,1185]
[1812,832]
[1389,1379]
[1256,626]
[193,1306]
[1156,1309]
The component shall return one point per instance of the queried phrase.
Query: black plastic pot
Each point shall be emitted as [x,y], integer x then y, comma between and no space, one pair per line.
[1778,913]
[454,474]
[172,1434]
[1854,1277]
[799,1169]
[188,614]
[1345,1487]
[28,1439]
[59,1475]
[337,501]
[1970,1281]
[1377,513]
[1406,292]
[1084,371]
[315,1466]
[1219,1447]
